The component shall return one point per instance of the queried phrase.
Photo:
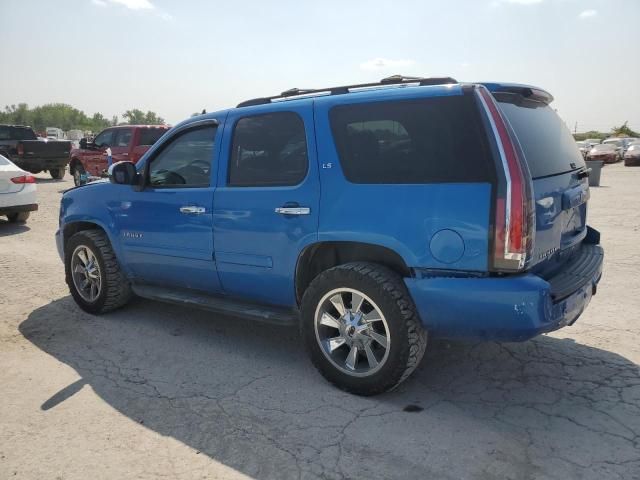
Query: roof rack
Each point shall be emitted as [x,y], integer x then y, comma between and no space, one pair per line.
[392,80]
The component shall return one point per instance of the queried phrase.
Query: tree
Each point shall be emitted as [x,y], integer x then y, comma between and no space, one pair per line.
[138,117]
[624,131]
[66,117]
[590,134]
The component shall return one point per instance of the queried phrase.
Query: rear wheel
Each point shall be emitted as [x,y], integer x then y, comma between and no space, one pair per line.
[93,273]
[19,217]
[361,329]
[57,173]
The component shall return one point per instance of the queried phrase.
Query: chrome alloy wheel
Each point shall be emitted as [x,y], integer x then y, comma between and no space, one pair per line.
[352,332]
[85,271]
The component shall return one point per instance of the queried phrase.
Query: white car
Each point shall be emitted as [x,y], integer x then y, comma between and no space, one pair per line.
[17,191]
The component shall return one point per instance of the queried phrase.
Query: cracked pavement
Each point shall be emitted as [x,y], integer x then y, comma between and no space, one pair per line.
[159,391]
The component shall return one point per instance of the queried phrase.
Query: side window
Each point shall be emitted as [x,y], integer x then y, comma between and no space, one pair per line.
[185,161]
[149,136]
[123,137]
[5,133]
[432,140]
[104,139]
[268,150]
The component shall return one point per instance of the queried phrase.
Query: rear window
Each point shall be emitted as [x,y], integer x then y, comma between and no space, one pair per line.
[549,147]
[149,136]
[408,142]
[16,133]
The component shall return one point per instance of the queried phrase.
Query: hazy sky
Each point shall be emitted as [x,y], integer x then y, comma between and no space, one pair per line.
[178,57]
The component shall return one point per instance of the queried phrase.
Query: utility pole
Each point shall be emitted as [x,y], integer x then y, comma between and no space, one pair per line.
[575,129]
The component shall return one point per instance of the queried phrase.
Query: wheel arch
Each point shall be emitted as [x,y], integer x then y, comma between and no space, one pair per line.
[74,227]
[318,257]
[75,161]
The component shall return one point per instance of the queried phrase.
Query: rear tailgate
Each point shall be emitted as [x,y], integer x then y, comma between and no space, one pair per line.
[560,186]
[41,149]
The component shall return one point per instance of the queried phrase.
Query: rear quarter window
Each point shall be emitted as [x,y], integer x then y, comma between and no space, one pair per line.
[548,146]
[149,136]
[428,140]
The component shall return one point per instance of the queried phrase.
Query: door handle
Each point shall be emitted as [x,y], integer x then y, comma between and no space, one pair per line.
[192,210]
[293,210]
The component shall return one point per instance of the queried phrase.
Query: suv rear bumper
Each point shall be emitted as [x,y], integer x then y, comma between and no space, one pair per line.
[514,308]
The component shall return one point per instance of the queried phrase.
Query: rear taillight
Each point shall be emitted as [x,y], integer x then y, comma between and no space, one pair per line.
[24,179]
[514,225]
[20,149]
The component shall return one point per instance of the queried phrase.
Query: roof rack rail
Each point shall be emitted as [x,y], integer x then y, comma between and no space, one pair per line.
[392,80]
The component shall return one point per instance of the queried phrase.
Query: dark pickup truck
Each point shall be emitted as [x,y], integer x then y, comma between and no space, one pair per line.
[21,145]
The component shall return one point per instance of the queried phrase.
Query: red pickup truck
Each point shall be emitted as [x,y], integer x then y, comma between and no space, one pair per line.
[125,142]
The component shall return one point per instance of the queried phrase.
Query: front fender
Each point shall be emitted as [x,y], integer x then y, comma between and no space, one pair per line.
[92,205]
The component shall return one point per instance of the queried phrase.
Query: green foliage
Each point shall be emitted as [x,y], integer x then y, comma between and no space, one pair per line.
[590,134]
[138,117]
[624,131]
[66,117]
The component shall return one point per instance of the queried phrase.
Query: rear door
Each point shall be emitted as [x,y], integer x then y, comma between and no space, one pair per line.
[143,139]
[266,203]
[554,162]
[121,144]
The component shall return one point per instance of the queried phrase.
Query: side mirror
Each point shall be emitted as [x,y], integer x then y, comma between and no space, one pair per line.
[83,143]
[123,173]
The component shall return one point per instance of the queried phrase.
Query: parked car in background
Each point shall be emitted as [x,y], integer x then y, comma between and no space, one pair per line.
[17,192]
[593,141]
[126,142]
[619,144]
[584,147]
[367,218]
[74,136]
[54,133]
[21,145]
[607,152]
[632,155]
[628,141]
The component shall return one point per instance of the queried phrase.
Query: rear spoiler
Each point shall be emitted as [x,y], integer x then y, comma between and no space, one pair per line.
[527,92]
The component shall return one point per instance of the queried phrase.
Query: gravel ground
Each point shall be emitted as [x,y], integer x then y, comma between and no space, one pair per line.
[157,391]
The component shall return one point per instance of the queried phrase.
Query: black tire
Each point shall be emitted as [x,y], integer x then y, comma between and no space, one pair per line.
[57,173]
[116,288]
[77,170]
[19,217]
[386,289]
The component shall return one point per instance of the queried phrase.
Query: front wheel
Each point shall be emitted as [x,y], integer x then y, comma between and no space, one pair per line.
[79,175]
[93,273]
[57,173]
[361,329]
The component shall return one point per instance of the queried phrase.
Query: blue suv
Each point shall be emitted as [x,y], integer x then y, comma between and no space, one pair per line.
[368,215]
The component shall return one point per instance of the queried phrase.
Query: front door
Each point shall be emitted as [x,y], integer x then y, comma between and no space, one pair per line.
[166,229]
[96,158]
[266,202]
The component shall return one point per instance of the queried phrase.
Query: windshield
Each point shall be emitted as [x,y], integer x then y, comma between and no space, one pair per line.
[549,147]
[612,142]
[605,147]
